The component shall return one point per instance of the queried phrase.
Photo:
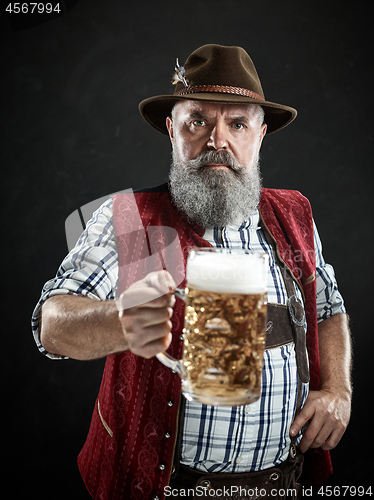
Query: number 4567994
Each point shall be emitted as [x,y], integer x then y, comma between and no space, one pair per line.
[344,491]
[32,8]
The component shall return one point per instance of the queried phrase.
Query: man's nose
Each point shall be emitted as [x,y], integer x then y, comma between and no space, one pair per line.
[218,137]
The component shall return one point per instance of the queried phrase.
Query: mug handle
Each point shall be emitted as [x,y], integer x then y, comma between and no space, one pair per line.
[164,357]
[171,363]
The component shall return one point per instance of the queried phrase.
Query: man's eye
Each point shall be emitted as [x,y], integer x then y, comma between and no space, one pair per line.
[238,126]
[198,123]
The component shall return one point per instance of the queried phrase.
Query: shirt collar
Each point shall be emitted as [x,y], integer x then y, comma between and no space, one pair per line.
[251,223]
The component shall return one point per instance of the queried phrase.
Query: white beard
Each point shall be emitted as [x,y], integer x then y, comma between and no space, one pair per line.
[211,197]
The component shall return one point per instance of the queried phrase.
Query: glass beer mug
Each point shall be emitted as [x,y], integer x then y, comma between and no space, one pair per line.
[224,326]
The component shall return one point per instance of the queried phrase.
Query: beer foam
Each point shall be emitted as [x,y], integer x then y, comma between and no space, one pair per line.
[228,273]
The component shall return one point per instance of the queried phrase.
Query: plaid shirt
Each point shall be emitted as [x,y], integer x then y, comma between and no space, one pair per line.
[214,439]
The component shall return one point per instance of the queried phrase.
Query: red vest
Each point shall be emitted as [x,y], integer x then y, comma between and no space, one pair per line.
[129,448]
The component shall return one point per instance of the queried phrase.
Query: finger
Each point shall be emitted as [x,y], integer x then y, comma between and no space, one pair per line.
[167,300]
[152,348]
[151,341]
[302,419]
[138,296]
[137,319]
[333,439]
[140,300]
[150,291]
[328,421]
[161,281]
[163,301]
[323,435]
[315,435]
[321,429]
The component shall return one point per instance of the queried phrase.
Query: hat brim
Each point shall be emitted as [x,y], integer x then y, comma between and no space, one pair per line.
[155,110]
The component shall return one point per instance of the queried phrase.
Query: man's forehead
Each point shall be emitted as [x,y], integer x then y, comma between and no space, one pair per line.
[191,107]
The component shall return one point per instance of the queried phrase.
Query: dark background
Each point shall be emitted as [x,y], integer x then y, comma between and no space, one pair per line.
[71,133]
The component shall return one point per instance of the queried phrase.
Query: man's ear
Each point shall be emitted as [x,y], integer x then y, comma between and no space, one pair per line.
[169,126]
[262,133]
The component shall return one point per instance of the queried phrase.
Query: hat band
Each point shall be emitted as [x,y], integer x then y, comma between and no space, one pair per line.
[193,89]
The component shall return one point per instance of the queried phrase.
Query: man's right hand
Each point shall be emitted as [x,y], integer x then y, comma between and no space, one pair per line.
[83,328]
[147,326]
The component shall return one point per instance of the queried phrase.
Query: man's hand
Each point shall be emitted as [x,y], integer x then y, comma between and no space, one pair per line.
[328,410]
[328,416]
[147,327]
[84,328]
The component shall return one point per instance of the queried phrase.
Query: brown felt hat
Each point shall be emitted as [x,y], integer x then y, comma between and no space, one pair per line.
[216,73]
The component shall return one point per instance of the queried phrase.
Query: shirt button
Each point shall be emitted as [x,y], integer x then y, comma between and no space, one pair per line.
[247,409]
[239,460]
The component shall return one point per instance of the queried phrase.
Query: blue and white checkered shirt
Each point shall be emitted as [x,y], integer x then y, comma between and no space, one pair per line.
[214,439]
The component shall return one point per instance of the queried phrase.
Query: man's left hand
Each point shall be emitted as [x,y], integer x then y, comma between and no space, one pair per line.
[328,415]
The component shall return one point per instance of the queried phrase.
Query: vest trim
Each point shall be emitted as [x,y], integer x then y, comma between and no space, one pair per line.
[106,426]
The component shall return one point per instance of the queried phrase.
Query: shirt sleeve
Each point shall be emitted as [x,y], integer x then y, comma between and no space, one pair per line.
[90,269]
[329,299]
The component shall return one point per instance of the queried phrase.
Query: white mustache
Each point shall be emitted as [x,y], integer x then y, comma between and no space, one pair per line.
[219,157]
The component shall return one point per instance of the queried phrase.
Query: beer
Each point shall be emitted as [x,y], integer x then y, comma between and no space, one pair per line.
[224,330]
[224,327]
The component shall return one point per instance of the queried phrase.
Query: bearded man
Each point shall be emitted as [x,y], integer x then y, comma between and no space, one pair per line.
[214,187]
[145,440]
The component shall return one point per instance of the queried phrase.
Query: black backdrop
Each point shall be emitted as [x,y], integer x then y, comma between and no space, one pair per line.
[71,133]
